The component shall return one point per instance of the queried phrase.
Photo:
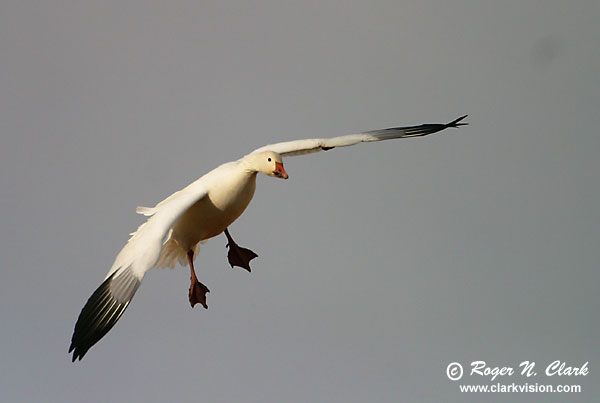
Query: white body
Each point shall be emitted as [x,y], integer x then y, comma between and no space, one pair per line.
[231,193]
[200,211]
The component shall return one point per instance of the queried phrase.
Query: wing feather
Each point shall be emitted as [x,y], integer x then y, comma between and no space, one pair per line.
[308,146]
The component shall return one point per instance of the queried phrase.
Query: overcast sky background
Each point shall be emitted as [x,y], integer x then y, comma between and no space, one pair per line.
[379,264]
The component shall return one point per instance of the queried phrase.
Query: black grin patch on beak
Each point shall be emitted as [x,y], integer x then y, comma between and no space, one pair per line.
[277,174]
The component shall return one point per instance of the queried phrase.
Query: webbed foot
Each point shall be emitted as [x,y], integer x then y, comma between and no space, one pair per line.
[237,255]
[198,294]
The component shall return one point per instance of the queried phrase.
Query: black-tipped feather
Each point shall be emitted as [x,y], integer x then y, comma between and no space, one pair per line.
[415,131]
[102,310]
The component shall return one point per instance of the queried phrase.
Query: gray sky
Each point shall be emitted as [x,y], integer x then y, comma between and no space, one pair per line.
[379,264]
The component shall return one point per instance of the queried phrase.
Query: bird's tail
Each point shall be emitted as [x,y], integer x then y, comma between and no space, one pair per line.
[172,253]
[102,310]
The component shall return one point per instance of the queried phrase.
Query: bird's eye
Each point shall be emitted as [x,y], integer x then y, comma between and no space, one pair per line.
[269,159]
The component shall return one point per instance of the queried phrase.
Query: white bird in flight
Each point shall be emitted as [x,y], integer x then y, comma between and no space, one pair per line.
[202,210]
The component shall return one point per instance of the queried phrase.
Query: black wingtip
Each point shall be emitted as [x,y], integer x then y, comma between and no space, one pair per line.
[455,123]
[102,310]
[90,326]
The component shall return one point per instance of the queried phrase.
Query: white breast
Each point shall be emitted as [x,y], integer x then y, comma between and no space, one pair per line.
[229,195]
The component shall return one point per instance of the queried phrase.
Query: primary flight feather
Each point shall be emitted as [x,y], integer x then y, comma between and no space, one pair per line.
[200,211]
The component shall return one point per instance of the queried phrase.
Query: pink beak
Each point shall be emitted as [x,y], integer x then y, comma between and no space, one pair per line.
[280,171]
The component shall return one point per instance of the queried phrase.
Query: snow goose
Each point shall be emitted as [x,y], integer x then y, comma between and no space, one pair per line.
[200,211]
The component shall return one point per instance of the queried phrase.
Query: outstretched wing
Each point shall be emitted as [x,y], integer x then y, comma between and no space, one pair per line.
[307,146]
[106,305]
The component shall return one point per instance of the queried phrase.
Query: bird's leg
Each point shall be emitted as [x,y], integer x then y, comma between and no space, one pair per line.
[237,255]
[197,289]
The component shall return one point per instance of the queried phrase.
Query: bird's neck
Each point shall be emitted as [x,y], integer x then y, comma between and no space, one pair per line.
[248,165]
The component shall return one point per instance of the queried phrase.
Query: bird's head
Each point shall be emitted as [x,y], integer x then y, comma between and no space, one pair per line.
[270,163]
